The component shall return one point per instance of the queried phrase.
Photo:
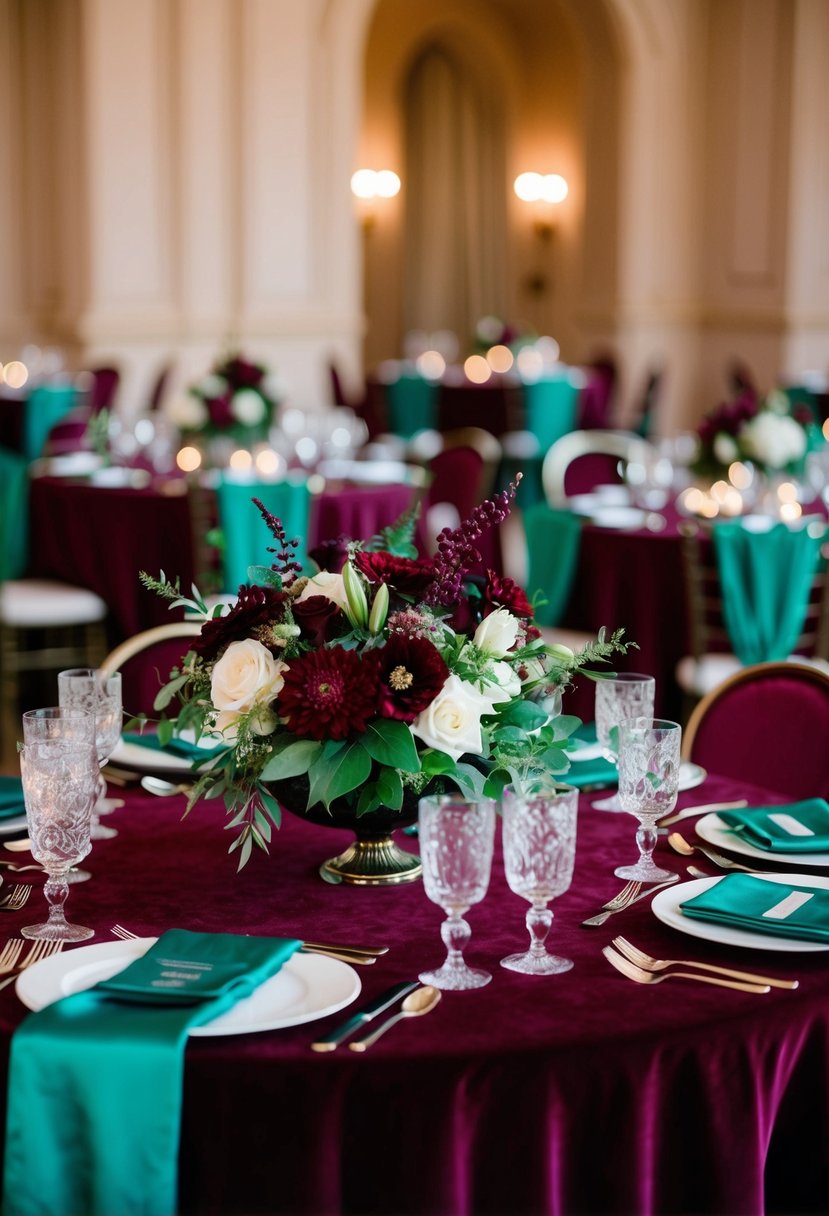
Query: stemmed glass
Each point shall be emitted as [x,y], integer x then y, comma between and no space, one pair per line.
[59,769]
[629,695]
[456,841]
[648,784]
[539,852]
[100,695]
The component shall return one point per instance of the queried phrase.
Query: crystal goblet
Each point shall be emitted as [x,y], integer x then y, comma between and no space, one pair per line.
[628,695]
[59,770]
[100,695]
[456,837]
[539,852]
[648,784]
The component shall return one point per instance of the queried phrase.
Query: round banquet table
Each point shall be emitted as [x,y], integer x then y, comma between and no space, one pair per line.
[578,1093]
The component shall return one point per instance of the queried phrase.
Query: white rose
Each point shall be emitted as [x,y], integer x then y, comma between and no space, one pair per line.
[497,633]
[246,673]
[725,448]
[227,724]
[773,440]
[327,584]
[507,683]
[452,723]
[247,407]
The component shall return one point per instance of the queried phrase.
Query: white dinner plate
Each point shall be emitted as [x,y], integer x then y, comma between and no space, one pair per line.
[618,517]
[14,825]
[690,776]
[665,907]
[307,987]
[715,831]
[577,750]
[151,760]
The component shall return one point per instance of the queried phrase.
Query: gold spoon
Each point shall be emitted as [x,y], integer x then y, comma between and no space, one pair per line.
[421,1001]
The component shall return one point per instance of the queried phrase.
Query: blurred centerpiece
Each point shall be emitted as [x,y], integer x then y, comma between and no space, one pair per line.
[345,696]
[234,405]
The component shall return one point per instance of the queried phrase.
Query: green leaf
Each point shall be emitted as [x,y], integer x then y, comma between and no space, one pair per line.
[332,776]
[169,691]
[263,576]
[271,805]
[525,714]
[392,743]
[291,760]
[469,778]
[369,799]
[436,764]
[390,788]
[564,725]
[164,731]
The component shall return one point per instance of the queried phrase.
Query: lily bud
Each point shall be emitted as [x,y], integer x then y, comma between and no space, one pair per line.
[562,654]
[379,609]
[355,597]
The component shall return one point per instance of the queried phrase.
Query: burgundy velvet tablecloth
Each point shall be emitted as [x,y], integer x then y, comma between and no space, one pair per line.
[579,1093]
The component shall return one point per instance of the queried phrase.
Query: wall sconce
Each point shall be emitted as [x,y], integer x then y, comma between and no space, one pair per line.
[544,192]
[369,185]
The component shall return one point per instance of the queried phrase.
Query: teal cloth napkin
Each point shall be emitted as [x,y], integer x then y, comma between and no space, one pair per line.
[95,1081]
[778,908]
[598,771]
[176,746]
[246,536]
[553,543]
[796,827]
[766,578]
[11,797]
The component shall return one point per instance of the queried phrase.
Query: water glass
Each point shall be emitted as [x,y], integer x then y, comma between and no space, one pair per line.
[539,852]
[456,837]
[629,695]
[100,695]
[649,759]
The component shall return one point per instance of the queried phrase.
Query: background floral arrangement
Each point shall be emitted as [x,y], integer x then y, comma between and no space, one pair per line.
[237,399]
[381,675]
[769,433]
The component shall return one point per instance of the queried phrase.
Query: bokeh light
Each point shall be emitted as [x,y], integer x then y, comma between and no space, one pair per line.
[188,459]
[477,369]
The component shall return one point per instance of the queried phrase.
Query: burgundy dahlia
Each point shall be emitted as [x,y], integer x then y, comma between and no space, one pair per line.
[328,694]
[506,593]
[330,555]
[255,610]
[404,575]
[219,411]
[412,674]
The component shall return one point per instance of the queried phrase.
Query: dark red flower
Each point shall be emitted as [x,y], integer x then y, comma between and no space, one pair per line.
[412,674]
[328,694]
[255,609]
[318,619]
[505,593]
[219,411]
[407,576]
[242,374]
[330,555]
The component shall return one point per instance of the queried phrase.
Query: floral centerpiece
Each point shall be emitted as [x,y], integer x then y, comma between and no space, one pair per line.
[768,433]
[345,695]
[237,400]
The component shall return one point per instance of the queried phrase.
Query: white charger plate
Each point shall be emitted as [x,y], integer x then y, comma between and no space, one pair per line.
[665,907]
[716,832]
[307,987]
[618,517]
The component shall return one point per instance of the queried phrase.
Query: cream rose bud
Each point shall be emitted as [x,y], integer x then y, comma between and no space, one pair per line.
[497,633]
[452,723]
[507,683]
[327,584]
[246,672]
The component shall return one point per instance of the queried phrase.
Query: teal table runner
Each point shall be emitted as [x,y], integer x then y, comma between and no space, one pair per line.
[246,537]
[781,909]
[14,514]
[553,543]
[766,578]
[46,406]
[412,405]
[797,827]
[95,1081]
[550,406]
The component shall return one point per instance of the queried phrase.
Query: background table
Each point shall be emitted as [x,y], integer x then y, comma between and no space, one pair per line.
[577,1093]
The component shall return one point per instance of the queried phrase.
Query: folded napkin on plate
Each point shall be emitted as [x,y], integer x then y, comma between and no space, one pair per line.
[780,908]
[176,746]
[796,827]
[114,1057]
[597,771]
[11,797]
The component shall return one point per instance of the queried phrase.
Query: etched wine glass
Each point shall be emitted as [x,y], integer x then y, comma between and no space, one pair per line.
[456,837]
[100,695]
[539,833]
[59,770]
[649,759]
[627,695]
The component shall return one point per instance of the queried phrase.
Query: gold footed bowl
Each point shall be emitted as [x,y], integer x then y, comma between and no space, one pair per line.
[374,859]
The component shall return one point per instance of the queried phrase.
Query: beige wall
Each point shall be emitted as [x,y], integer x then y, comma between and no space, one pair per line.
[177,177]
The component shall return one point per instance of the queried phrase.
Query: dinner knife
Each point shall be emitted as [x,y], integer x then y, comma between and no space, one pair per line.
[328,1042]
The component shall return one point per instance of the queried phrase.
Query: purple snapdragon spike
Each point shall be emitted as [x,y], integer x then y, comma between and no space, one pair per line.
[457,551]
[284,562]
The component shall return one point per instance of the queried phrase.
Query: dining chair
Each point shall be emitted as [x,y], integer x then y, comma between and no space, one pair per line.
[463,465]
[245,536]
[145,661]
[578,462]
[767,724]
[752,596]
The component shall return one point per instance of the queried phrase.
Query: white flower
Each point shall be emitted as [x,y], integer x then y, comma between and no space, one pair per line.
[507,683]
[773,439]
[497,633]
[187,412]
[247,674]
[725,448]
[247,407]
[452,723]
[327,584]
[212,386]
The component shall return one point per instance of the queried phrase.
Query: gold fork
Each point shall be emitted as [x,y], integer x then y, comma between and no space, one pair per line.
[363,957]
[39,950]
[647,963]
[619,901]
[649,977]
[680,845]
[10,954]
[16,898]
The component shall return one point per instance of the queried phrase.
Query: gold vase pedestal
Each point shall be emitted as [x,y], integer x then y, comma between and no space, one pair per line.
[372,861]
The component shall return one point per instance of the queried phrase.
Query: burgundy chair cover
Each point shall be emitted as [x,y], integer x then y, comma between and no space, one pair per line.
[457,480]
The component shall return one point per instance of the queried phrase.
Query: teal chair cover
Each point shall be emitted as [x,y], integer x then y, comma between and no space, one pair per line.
[14,514]
[412,405]
[766,578]
[550,407]
[246,537]
[46,406]
[553,543]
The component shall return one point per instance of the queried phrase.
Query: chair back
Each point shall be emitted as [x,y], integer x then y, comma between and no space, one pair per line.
[105,382]
[768,725]
[145,661]
[571,465]
[245,535]
[496,406]
[553,542]
[46,406]
[463,464]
